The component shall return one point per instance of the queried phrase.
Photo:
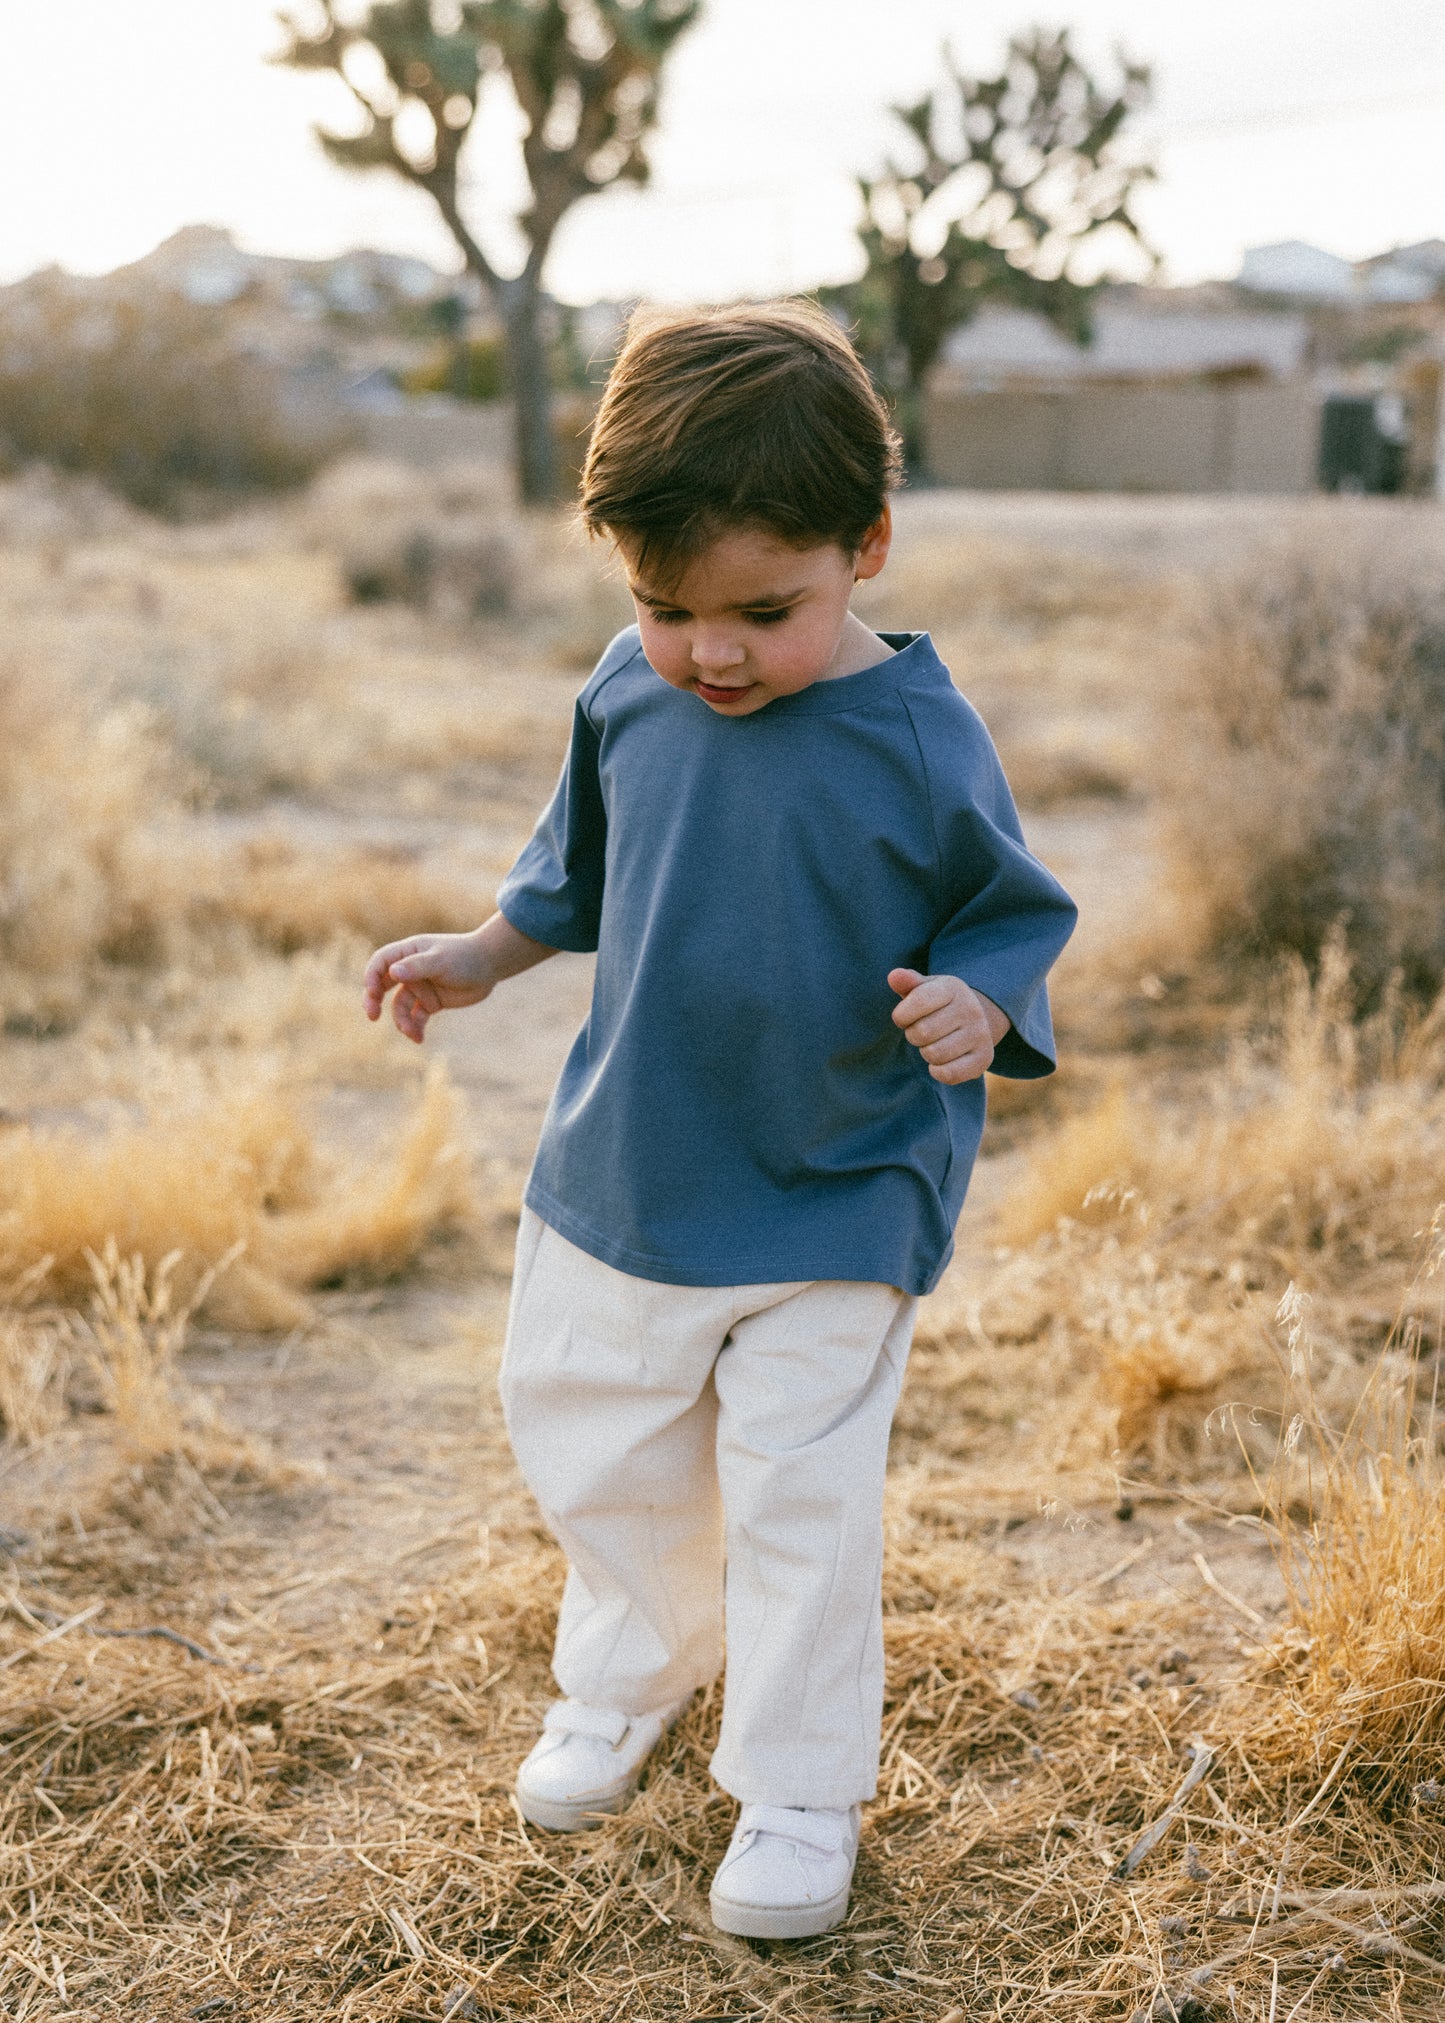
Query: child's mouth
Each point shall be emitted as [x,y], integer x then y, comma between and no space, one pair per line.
[710,692]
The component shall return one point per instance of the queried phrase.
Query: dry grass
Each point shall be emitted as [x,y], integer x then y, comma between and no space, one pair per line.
[323,1820]
[216,1173]
[1362,1544]
[454,545]
[1151,1231]
[34,1361]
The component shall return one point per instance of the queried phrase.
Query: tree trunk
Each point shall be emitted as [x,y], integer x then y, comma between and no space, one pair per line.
[909,422]
[531,385]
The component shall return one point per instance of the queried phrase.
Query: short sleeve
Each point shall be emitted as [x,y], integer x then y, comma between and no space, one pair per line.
[1007,918]
[554,890]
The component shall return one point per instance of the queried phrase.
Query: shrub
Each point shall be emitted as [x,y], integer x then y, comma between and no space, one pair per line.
[150,392]
[72,884]
[1153,1234]
[1306,770]
[473,369]
[229,1178]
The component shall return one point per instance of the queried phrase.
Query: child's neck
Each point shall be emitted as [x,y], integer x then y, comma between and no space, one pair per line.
[858,649]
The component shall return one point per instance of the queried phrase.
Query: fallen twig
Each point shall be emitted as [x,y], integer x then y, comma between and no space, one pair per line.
[1381,1942]
[1211,1580]
[95,1630]
[63,1626]
[1376,1941]
[1149,1839]
[1110,1573]
[171,1637]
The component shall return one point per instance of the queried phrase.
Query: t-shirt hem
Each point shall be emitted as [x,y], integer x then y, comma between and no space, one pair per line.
[746,1270]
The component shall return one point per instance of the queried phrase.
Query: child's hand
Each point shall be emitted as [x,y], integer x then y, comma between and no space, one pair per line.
[430,973]
[955,1028]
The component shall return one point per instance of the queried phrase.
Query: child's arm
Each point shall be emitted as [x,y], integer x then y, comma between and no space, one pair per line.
[1003,918]
[443,972]
[954,1027]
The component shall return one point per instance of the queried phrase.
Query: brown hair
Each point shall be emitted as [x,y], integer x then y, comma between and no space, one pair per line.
[760,415]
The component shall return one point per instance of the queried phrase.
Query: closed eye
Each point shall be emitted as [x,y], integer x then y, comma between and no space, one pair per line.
[774,615]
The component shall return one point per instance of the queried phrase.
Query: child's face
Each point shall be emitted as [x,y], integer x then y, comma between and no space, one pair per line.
[752,619]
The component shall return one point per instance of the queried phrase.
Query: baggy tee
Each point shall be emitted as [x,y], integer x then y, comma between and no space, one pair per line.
[739,1107]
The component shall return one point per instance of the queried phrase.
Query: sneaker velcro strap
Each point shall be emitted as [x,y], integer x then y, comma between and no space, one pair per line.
[825,1832]
[574,1717]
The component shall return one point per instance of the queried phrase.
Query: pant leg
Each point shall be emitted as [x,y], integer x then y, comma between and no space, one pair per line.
[806,1391]
[607,1388]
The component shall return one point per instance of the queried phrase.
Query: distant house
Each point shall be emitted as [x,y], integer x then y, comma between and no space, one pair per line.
[1406,273]
[1293,267]
[1131,340]
[204,263]
[1308,274]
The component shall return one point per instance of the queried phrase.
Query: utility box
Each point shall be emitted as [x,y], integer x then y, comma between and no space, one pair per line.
[1362,443]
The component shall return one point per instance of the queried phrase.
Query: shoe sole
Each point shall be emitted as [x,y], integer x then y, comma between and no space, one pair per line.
[561,1815]
[781,1921]
[557,1815]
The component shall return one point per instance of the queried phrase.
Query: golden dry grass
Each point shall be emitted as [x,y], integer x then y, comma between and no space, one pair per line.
[1151,1231]
[322,1823]
[217,1173]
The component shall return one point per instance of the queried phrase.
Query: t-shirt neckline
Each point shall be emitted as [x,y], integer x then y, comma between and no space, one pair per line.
[913,653]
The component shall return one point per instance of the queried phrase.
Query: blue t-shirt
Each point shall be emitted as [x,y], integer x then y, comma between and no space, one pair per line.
[739,1107]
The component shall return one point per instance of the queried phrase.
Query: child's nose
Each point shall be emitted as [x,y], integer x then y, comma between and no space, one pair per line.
[715,654]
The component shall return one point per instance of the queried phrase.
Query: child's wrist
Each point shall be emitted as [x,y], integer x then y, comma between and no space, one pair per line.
[481,962]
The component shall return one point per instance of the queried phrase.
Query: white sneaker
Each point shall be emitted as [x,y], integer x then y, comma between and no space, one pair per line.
[787,1872]
[587,1763]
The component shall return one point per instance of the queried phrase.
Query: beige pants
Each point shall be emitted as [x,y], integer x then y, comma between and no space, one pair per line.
[702,1451]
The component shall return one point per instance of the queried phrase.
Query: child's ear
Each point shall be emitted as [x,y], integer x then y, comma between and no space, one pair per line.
[873,548]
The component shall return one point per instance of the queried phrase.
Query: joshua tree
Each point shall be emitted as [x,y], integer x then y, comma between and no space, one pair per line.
[586,74]
[1012,178]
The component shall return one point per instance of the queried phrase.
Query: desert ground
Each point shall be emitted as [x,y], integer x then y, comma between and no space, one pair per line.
[1164,1537]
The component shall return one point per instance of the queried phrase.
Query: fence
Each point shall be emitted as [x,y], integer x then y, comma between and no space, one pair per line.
[1240,438]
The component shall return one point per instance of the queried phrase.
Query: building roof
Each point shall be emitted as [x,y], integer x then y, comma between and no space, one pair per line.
[1294,267]
[1130,341]
[1405,273]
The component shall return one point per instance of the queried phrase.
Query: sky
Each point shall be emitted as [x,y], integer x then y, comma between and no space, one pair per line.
[125,119]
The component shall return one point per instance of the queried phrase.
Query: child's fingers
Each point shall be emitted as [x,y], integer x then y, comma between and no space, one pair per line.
[953,1046]
[381,975]
[901,981]
[409,1015]
[932,994]
[383,958]
[968,1069]
[954,1019]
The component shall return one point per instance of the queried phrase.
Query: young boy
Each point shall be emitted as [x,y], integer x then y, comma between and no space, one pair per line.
[791,845]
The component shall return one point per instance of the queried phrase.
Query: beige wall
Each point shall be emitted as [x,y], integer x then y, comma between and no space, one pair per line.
[1250,438]
[431,433]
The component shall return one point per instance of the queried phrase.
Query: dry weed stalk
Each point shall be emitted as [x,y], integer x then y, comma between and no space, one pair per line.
[135,1333]
[34,1362]
[1360,1510]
